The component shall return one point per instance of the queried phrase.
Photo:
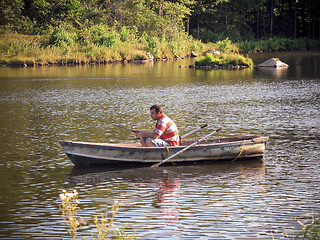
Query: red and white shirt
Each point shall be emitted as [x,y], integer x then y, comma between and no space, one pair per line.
[167,130]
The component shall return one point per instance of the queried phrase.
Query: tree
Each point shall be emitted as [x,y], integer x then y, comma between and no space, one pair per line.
[10,10]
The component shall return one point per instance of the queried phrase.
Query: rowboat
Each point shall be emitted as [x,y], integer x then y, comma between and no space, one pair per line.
[228,148]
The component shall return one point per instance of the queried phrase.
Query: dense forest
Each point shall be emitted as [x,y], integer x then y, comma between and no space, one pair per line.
[208,20]
[41,32]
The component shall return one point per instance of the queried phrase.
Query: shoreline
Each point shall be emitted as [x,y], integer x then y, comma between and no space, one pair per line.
[32,64]
[64,62]
[22,64]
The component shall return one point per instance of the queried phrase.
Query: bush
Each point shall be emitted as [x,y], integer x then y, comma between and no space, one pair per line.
[223,45]
[62,36]
[280,44]
[101,36]
[153,45]
[226,46]
[124,34]
[174,48]
[223,60]
[247,46]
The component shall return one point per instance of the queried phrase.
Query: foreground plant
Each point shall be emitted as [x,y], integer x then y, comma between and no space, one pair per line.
[105,225]
[310,230]
[69,208]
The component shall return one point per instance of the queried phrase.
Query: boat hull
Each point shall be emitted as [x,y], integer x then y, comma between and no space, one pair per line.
[86,153]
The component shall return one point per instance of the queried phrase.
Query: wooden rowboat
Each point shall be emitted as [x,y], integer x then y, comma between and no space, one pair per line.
[87,153]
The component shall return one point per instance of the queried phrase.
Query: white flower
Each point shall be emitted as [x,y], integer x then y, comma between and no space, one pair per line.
[75,192]
[62,196]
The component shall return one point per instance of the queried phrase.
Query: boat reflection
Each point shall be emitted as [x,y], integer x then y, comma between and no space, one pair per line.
[167,199]
[253,169]
[164,186]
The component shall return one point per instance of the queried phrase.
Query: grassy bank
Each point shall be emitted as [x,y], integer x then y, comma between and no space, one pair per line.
[279,44]
[225,60]
[96,45]
[225,55]
[65,45]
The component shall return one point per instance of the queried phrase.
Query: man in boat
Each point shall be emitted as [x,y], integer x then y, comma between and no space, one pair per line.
[165,133]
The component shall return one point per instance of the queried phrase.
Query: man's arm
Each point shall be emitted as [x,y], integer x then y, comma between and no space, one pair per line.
[147,134]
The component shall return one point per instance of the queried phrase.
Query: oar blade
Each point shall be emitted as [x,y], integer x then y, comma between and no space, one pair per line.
[156,165]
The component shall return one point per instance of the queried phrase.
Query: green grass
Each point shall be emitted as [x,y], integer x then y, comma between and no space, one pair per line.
[224,60]
[101,44]
[95,45]
[279,44]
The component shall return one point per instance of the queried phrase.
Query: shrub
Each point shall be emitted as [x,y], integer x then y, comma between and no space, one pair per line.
[223,60]
[124,34]
[62,36]
[224,45]
[174,48]
[101,36]
[153,46]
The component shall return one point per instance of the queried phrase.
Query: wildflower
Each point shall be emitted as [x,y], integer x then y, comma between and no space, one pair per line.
[75,192]
[69,195]
[62,196]
[105,226]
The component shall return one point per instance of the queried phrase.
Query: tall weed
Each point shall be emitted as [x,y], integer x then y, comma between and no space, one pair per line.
[310,230]
[105,226]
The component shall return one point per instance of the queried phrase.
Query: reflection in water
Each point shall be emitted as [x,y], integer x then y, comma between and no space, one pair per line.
[167,176]
[271,72]
[166,181]
[168,198]
[170,189]
[255,172]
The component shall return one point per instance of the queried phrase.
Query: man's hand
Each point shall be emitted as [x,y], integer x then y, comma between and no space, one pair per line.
[141,134]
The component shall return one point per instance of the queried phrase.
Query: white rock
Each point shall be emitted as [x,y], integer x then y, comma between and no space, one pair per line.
[273,62]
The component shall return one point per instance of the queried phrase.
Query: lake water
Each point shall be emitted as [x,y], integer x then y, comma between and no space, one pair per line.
[223,200]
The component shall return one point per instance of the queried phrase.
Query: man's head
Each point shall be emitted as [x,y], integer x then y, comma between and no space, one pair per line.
[155,112]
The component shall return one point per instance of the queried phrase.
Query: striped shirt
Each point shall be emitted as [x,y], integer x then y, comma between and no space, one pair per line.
[167,130]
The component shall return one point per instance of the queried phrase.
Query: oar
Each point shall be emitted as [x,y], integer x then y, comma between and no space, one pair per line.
[197,129]
[117,125]
[185,149]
